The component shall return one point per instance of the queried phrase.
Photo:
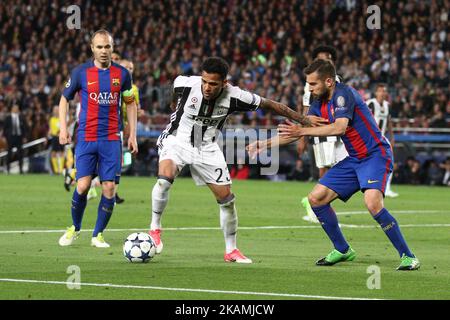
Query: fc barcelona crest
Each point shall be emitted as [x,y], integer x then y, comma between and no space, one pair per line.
[116,82]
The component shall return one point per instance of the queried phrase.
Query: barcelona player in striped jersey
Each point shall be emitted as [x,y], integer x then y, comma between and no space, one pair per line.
[101,84]
[366,168]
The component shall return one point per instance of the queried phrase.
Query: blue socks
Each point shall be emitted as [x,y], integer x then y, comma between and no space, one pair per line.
[78,205]
[327,218]
[392,230]
[105,209]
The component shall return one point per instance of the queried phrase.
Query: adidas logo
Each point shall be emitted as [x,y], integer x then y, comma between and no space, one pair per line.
[192,106]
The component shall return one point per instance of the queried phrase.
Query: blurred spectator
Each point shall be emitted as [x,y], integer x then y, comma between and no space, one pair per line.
[240,170]
[300,172]
[269,53]
[267,43]
[15,132]
[412,172]
[446,167]
[399,173]
[434,174]
[438,118]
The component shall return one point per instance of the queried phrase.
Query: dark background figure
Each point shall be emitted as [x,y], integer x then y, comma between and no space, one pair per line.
[434,173]
[300,172]
[15,131]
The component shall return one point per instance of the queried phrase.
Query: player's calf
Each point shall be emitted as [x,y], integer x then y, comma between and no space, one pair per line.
[160,198]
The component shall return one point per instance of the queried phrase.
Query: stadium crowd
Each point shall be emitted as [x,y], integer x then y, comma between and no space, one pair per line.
[267,43]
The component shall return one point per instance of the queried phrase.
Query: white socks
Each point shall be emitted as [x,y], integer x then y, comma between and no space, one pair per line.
[388,184]
[228,213]
[229,222]
[160,197]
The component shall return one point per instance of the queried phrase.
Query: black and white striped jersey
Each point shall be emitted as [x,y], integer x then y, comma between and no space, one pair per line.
[195,119]
[380,113]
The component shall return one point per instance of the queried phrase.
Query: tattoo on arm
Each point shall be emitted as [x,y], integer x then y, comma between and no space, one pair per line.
[284,110]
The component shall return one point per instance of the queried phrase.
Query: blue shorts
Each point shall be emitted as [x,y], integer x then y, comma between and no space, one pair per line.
[352,174]
[102,158]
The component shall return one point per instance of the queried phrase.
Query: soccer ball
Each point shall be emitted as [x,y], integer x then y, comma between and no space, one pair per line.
[139,247]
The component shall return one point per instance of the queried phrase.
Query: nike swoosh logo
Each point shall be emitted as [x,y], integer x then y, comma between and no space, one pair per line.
[372,181]
[89,83]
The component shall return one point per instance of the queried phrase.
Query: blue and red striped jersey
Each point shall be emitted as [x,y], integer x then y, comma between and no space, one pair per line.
[100,98]
[362,137]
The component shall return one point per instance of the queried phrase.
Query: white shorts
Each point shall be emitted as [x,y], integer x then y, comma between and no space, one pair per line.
[328,153]
[207,164]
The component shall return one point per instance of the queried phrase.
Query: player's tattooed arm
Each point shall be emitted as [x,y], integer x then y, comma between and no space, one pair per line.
[284,110]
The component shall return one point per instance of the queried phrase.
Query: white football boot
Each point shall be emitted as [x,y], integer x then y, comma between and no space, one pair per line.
[99,241]
[69,237]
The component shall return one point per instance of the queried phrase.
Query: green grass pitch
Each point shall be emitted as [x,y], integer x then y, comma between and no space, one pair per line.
[33,266]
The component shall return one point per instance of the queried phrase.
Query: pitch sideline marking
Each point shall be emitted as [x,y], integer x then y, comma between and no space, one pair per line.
[263,227]
[272,294]
[241,228]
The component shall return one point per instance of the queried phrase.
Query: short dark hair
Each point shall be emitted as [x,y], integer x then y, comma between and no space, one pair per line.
[101,31]
[216,65]
[324,48]
[324,68]
[380,85]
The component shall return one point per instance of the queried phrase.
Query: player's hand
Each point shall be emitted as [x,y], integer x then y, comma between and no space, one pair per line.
[255,148]
[290,130]
[317,121]
[64,137]
[132,145]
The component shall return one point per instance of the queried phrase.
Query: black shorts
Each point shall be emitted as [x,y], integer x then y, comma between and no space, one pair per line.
[55,146]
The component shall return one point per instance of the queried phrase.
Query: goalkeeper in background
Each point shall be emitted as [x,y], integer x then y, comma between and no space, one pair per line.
[125,130]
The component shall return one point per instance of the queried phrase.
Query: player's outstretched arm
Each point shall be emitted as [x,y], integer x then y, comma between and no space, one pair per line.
[64,136]
[258,146]
[292,130]
[284,110]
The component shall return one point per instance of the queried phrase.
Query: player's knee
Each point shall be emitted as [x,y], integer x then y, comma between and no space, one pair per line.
[108,188]
[83,187]
[227,200]
[374,201]
[316,199]
[82,190]
[374,206]
[224,195]
[167,170]
[163,184]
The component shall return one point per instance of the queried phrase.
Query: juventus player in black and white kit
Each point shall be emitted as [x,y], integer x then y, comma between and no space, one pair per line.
[202,106]
[380,110]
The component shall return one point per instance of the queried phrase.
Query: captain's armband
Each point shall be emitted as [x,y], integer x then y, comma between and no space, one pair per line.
[128,96]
